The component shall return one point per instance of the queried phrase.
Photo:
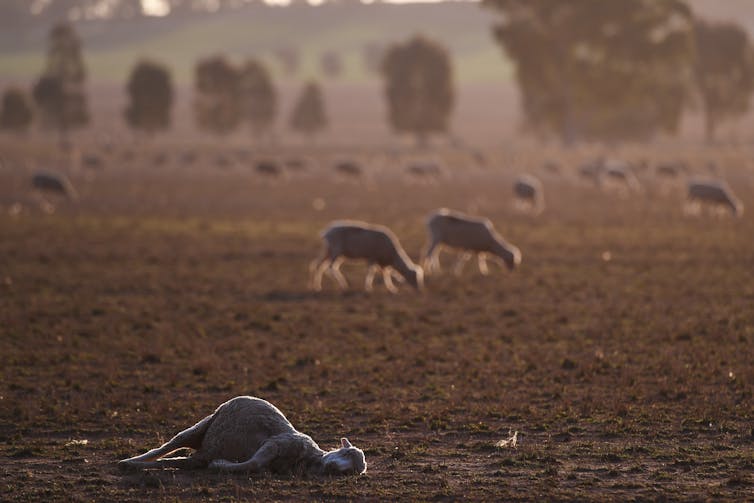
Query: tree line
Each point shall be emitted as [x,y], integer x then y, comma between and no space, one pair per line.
[587,70]
[596,70]
[226,96]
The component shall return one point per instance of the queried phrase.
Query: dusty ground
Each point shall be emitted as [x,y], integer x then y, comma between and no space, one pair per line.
[168,289]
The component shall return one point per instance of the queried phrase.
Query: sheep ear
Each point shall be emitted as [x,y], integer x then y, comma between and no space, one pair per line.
[345,443]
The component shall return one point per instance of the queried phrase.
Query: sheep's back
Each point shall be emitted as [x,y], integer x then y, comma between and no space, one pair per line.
[461,233]
[239,427]
[357,242]
[710,191]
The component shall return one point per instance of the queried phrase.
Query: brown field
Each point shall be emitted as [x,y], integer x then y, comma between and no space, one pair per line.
[168,289]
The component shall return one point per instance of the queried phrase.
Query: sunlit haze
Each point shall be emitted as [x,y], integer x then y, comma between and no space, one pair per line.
[160,8]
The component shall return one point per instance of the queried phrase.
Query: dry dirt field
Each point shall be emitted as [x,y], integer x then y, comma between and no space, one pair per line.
[176,283]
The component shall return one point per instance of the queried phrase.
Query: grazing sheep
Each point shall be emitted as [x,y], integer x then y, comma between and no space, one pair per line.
[551,167]
[160,159]
[189,157]
[591,171]
[472,235]
[223,162]
[669,170]
[424,171]
[269,168]
[243,154]
[296,165]
[93,162]
[479,158]
[529,193]
[54,183]
[621,175]
[375,244]
[712,192]
[349,169]
[248,434]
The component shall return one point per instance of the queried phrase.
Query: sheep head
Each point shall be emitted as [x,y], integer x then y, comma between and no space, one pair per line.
[348,460]
[415,277]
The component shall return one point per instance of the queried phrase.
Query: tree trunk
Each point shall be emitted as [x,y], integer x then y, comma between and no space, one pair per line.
[710,126]
[422,140]
[569,131]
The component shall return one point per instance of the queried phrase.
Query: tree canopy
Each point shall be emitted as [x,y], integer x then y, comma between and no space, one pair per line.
[331,64]
[308,116]
[419,87]
[15,111]
[150,93]
[258,96]
[217,96]
[724,71]
[60,93]
[595,69]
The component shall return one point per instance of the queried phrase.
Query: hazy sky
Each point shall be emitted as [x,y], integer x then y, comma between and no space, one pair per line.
[161,7]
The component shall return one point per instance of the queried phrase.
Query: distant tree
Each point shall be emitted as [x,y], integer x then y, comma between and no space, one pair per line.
[217,102]
[419,87]
[15,13]
[331,64]
[372,55]
[258,98]
[308,116]
[599,70]
[150,93]
[724,71]
[59,93]
[16,113]
[289,59]
[128,9]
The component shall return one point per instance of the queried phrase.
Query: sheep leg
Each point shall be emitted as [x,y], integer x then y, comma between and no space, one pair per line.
[692,207]
[436,266]
[334,271]
[182,463]
[191,437]
[431,260]
[258,462]
[317,268]
[482,262]
[387,277]
[397,276]
[368,282]
[465,256]
[318,273]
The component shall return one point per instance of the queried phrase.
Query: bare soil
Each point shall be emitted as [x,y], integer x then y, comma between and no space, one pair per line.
[620,351]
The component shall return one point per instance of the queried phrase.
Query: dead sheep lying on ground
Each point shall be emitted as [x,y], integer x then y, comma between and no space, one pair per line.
[248,434]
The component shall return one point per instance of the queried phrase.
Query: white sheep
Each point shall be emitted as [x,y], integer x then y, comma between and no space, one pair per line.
[251,435]
[375,244]
[349,169]
[472,235]
[712,192]
[425,171]
[670,169]
[529,193]
[591,171]
[54,183]
[621,175]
